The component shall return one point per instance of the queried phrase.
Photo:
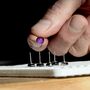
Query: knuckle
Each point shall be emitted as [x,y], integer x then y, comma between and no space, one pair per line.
[56,7]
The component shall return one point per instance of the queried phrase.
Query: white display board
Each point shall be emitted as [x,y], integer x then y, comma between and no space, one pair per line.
[78,68]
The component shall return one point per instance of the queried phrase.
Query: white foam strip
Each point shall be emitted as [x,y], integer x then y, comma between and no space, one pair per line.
[73,69]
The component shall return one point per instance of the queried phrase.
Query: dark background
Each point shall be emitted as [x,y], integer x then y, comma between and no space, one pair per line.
[16,18]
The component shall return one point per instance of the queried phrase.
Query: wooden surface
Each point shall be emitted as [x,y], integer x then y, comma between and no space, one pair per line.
[75,83]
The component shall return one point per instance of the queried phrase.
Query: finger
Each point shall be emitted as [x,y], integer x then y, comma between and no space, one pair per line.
[51,23]
[68,35]
[81,47]
[37,46]
[89,30]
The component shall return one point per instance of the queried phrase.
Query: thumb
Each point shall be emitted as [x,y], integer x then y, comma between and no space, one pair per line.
[55,17]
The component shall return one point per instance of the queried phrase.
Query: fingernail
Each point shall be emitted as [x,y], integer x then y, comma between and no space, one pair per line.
[42,25]
[76,25]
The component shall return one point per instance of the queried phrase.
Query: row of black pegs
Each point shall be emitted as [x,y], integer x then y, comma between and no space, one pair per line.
[49,62]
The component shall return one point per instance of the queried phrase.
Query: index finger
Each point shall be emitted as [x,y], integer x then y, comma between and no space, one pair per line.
[55,17]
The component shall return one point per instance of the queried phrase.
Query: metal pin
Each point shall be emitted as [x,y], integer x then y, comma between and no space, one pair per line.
[49,60]
[40,60]
[55,61]
[54,57]
[49,57]
[30,58]
[64,60]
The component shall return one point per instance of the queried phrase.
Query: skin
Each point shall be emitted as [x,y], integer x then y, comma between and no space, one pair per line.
[69,31]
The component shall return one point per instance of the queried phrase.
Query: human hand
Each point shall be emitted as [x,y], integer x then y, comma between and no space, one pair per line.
[69,32]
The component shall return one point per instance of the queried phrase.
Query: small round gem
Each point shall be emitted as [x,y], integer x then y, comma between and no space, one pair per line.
[40,40]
